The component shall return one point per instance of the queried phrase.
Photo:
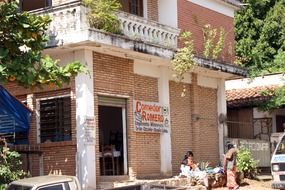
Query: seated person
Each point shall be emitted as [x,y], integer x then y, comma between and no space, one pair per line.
[188,168]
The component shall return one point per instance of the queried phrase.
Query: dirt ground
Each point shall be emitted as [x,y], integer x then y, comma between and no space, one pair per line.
[252,185]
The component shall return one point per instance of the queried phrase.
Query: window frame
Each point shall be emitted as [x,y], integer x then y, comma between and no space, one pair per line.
[38,116]
[48,4]
[136,7]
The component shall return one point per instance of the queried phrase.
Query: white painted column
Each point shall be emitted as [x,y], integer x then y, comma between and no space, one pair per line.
[86,168]
[222,109]
[165,138]
[145,9]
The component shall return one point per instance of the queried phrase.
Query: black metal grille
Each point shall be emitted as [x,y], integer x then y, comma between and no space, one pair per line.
[282,177]
[282,167]
[55,119]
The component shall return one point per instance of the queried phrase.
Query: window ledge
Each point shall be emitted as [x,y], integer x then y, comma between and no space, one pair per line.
[55,144]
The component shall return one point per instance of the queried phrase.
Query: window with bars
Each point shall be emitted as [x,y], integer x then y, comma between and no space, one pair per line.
[55,119]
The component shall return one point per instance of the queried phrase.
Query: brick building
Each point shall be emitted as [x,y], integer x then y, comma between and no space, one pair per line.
[130,99]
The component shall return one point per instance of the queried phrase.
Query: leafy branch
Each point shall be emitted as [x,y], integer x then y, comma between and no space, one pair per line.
[183,59]
[22,40]
[276,99]
[212,49]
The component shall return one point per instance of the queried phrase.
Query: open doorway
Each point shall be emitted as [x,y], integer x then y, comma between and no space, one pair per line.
[112,137]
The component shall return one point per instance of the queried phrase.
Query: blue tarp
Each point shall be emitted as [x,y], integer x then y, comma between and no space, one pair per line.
[14,109]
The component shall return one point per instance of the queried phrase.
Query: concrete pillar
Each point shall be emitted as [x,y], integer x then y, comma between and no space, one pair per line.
[222,110]
[165,138]
[195,114]
[86,159]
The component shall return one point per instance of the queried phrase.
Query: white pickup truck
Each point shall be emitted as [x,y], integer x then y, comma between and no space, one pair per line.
[49,182]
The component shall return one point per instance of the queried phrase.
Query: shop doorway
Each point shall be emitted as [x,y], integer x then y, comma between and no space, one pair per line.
[112,136]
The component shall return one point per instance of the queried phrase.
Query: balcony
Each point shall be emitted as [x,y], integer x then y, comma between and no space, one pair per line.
[70,26]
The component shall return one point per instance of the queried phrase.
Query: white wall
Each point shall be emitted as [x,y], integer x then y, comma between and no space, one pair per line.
[208,82]
[278,79]
[167,12]
[272,115]
[222,109]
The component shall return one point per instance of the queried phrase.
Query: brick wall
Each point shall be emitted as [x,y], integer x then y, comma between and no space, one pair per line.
[148,152]
[114,75]
[192,17]
[204,123]
[187,133]
[152,10]
[57,157]
[181,129]
[208,144]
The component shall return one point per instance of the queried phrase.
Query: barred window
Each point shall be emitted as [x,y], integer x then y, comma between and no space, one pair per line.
[55,119]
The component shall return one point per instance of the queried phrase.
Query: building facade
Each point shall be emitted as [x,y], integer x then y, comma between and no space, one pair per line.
[247,124]
[129,108]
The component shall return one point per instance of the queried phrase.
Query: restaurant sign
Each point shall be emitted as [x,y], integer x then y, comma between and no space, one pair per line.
[151,117]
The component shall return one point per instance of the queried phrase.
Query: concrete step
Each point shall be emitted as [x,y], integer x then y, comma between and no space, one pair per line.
[264,177]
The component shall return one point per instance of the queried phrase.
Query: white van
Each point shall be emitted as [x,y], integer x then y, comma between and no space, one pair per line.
[278,164]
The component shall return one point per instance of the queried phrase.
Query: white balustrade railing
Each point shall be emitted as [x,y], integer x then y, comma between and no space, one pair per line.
[139,28]
[65,18]
[71,17]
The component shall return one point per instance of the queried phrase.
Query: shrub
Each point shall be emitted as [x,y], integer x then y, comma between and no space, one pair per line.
[10,166]
[246,164]
[103,16]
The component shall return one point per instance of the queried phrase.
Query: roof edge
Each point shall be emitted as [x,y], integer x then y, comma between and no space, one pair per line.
[234,3]
[223,67]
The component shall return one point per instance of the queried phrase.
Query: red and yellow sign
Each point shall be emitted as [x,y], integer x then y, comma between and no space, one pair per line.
[151,117]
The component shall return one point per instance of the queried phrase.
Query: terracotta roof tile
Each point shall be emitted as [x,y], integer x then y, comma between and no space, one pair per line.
[247,93]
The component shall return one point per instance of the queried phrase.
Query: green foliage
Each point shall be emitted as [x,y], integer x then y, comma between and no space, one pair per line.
[22,39]
[183,59]
[260,47]
[260,36]
[10,166]
[213,48]
[245,163]
[103,16]
[276,100]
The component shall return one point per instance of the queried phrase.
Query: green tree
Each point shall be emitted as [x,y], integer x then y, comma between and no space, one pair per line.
[22,39]
[260,36]
[260,47]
